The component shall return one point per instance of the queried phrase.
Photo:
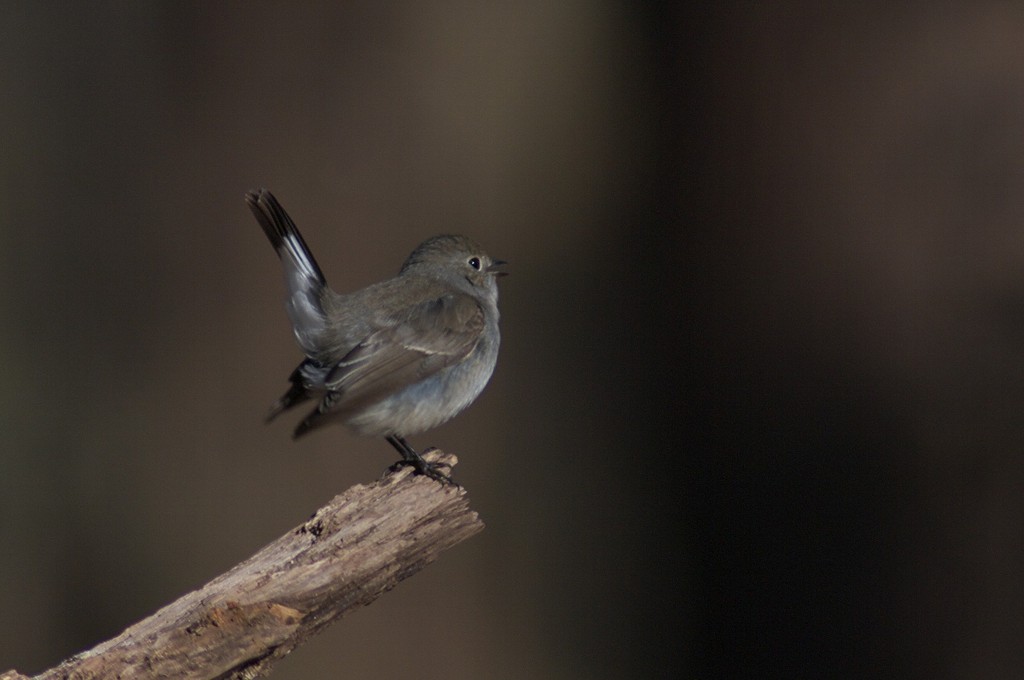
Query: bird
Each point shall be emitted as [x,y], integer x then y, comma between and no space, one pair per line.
[397,357]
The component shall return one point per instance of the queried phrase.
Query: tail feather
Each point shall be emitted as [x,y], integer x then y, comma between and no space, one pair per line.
[283,234]
[305,281]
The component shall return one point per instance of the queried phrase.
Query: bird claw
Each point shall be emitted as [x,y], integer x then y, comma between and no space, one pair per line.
[427,469]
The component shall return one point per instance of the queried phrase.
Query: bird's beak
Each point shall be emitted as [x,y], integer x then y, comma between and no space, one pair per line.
[495,268]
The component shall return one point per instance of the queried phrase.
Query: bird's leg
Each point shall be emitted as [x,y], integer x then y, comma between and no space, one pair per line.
[412,457]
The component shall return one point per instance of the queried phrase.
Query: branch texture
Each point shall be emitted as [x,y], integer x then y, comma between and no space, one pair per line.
[346,555]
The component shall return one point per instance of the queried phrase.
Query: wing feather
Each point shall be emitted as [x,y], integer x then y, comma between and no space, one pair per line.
[433,336]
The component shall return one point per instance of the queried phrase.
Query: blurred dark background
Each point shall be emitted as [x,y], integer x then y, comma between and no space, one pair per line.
[758,411]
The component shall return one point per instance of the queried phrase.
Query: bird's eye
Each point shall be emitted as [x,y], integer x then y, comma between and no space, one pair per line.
[474,262]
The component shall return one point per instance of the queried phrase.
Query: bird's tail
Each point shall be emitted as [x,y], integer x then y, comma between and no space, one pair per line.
[305,281]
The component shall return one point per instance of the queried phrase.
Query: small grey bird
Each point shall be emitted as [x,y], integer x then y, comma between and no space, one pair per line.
[397,357]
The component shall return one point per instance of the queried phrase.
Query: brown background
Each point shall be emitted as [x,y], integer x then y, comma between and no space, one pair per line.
[759,405]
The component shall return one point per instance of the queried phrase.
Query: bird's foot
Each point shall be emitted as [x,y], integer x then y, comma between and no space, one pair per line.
[439,472]
[429,468]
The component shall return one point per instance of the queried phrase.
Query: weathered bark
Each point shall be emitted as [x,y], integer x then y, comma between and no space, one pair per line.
[347,554]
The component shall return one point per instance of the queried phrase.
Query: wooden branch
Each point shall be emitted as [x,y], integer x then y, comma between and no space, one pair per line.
[345,556]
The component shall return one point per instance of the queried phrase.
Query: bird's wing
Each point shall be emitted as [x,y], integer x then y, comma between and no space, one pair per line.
[433,336]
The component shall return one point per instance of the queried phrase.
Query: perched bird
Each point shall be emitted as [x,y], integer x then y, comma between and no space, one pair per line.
[397,357]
